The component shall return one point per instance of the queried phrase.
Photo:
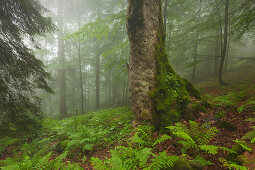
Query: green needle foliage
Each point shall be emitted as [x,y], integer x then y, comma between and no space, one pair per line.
[21,73]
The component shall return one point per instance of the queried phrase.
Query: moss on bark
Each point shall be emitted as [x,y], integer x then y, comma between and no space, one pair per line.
[173,97]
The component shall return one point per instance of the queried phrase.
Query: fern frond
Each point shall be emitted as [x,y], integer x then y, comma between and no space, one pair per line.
[98,163]
[10,167]
[163,161]
[201,161]
[179,127]
[249,135]
[137,139]
[243,145]
[143,156]
[209,149]
[227,150]
[162,139]
[187,144]
[237,167]
[232,165]
[183,135]
[208,135]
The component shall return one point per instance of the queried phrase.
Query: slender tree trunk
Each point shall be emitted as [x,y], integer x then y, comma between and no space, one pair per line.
[88,94]
[220,25]
[50,105]
[85,93]
[216,55]
[123,92]
[109,84]
[73,94]
[106,87]
[114,91]
[97,79]
[80,69]
[227,53]
[223,54]
[196,44]
[195,58]
[152,81]
[61,58]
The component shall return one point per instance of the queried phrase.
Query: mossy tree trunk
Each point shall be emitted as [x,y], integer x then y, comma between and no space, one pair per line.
[157,94]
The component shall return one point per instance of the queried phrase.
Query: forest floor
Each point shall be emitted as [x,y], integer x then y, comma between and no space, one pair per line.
[106,140]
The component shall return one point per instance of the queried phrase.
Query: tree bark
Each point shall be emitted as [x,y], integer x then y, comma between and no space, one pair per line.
[196,44]
[157,94]
[80,69]
[165,14]
[61,58]
[216,53]
[223,54]
[227,53]
[97,79]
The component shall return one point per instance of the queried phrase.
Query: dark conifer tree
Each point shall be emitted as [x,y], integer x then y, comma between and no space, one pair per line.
[20,72]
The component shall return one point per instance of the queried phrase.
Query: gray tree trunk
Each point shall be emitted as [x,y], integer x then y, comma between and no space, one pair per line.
[61,60]
[80,69]
[97,79]
[196,44]
[223,54]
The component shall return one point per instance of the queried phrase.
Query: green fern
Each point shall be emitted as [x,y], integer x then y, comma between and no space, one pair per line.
[162,139]
[187,144]
[10,167]
[201,161]
[162,160]
[124,158]
[211,149]
[199,134]
[243,145]
[232,165]
[142,156]
[249,105]
[251,134]
[253,140]
[224,100]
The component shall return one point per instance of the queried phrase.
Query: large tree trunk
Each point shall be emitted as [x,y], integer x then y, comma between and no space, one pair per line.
[223,54]
[61,58]
[157,93]
[165,14]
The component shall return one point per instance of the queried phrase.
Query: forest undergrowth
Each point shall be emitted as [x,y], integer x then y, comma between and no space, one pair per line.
[222,138]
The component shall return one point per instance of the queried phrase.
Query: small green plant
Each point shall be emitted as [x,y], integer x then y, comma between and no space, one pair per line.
[162,161]
[250,104]
[232,165]
[243,144]
[196,137]
[251,134]
[124,158]
[224,100]
[162,139]
[143,136]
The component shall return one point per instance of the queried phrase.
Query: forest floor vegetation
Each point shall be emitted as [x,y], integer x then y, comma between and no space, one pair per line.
[223,137]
